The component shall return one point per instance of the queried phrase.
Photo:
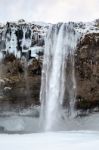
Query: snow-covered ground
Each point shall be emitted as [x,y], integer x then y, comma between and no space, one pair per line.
[51,141]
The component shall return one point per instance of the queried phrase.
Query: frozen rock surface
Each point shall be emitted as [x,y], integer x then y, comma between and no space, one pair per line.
[21,56]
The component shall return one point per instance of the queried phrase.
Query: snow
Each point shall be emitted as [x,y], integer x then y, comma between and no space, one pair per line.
[25,42]
[51,141]
[35,50]
[38,29]
[41,23]
[11,42]
[87,27]
[82,137]
[9,37]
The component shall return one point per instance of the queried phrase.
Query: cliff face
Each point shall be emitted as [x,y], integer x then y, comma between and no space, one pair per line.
[19,83]
[87,71]
[22,46]
[22,39]
[21,52]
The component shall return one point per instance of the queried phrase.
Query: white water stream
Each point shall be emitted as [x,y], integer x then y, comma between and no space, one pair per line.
[58,75]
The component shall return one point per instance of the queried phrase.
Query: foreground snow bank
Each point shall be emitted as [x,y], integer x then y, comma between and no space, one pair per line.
[51,141]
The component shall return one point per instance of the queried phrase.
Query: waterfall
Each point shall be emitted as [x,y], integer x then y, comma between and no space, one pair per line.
[58,83]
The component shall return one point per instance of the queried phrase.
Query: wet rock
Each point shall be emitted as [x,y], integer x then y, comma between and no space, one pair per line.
[20,88]
[35,67]
[87,72]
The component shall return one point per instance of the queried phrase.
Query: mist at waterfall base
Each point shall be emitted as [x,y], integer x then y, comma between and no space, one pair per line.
[58,75]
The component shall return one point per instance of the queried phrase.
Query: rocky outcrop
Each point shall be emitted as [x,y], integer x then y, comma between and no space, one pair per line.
[19,84]
[22,46]
[20,78]
[87,72]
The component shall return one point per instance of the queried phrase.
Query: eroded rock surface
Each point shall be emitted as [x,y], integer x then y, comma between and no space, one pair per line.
[87,71]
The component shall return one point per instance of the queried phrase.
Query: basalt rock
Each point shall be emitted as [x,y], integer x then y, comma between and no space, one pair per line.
[87,72]
[19,88]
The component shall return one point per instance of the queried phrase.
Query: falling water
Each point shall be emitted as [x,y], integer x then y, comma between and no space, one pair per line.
[58,75]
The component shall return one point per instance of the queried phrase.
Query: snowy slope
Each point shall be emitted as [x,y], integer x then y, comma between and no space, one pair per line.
[51,141]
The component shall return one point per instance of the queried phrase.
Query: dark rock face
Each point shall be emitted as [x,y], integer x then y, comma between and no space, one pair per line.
[87,72]
[19,86]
